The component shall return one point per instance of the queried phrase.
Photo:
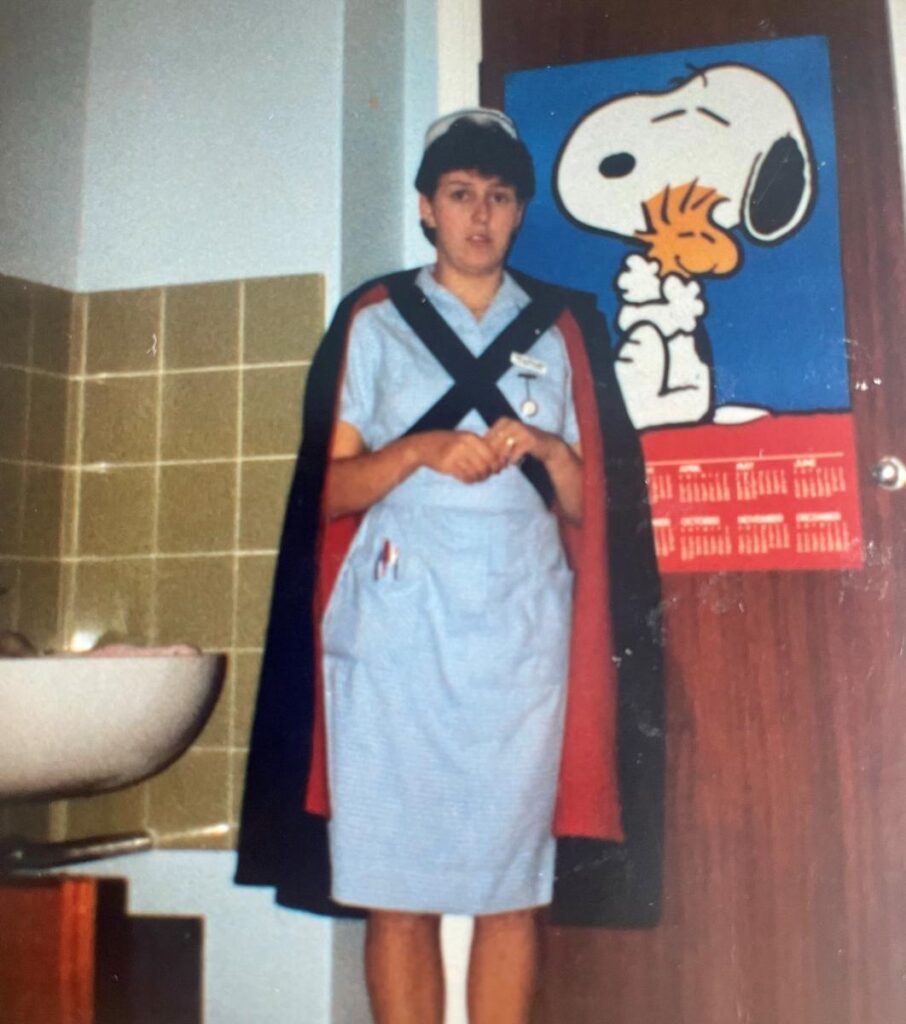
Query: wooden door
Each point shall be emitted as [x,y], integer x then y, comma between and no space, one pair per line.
[785,859]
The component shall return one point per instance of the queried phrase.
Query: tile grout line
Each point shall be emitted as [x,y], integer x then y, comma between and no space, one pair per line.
[23,468]
[38,371]
[68,477]
[77,469]
[78,334]
[142,556]
[237,542]
[156,464]
[59,813]
[60,810]
[171,371]
[103,467]
[154,609]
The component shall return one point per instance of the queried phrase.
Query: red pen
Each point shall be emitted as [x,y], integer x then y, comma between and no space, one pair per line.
[386,560]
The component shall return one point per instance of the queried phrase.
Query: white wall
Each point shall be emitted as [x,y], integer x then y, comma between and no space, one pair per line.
[162,143]
[421,87]
[212,142]
[349,998]
[405,62]
[373,128]
[43,80]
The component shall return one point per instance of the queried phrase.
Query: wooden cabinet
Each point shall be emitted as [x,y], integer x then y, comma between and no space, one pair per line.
[71,954]
[47,951]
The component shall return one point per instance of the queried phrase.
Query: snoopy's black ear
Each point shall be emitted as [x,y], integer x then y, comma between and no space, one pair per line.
[779,193]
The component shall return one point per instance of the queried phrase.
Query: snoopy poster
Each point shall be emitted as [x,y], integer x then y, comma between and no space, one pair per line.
[694,193]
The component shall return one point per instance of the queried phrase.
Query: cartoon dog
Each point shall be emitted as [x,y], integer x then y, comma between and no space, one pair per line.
[677,171]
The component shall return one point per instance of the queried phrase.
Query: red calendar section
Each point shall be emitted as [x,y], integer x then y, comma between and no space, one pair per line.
[778,493]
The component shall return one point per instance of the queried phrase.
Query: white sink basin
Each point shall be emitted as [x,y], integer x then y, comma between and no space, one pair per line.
[74,726]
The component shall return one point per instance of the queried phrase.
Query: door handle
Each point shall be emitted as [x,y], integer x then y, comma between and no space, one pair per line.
[890,473]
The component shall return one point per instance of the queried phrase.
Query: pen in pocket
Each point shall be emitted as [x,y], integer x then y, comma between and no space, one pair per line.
[387,561]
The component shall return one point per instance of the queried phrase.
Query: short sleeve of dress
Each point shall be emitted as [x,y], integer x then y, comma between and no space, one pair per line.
[570,432]
[357,399]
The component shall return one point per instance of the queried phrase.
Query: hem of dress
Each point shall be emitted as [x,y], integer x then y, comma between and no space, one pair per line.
[406,907]
[397,895]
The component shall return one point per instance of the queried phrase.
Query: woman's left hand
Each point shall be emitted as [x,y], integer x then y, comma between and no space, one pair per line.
[511,440]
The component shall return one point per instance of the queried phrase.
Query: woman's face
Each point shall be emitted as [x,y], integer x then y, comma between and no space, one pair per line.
[475,218]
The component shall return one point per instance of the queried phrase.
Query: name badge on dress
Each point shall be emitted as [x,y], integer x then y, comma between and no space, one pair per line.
[527,364]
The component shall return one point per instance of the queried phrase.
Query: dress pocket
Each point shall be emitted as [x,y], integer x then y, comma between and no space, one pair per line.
[529,644]
[373,612]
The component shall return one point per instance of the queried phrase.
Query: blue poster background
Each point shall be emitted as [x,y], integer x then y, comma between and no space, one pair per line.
[777,326]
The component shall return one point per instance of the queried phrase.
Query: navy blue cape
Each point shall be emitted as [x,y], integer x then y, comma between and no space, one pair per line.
[598,883]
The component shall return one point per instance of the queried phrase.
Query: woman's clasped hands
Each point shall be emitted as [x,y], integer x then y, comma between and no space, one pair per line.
[472,458]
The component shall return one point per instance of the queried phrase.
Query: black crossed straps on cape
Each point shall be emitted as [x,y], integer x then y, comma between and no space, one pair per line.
[475,377]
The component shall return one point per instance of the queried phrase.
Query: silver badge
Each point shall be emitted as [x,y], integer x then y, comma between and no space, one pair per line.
[529,406]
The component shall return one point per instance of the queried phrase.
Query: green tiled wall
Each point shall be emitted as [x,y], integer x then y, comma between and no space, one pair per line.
[147,439]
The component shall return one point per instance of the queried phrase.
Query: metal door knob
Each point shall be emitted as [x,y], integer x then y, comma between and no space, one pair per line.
[890,473]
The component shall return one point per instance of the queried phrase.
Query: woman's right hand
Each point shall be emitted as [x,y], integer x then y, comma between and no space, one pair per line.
[458,453]
[357,478]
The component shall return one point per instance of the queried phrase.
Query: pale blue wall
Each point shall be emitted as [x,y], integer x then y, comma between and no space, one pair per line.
[420,100]
[43,81]
[373,68]
[389,96]
[213,142]
[145,144]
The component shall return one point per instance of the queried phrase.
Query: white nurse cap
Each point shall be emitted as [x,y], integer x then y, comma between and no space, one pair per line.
[479,115]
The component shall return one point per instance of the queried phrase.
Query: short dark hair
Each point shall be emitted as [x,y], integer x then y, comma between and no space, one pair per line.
[486,149]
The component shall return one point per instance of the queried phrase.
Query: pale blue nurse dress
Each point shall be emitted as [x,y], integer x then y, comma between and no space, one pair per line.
[445,674]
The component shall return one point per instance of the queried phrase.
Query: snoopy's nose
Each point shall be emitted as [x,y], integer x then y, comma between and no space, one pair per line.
[617,165]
